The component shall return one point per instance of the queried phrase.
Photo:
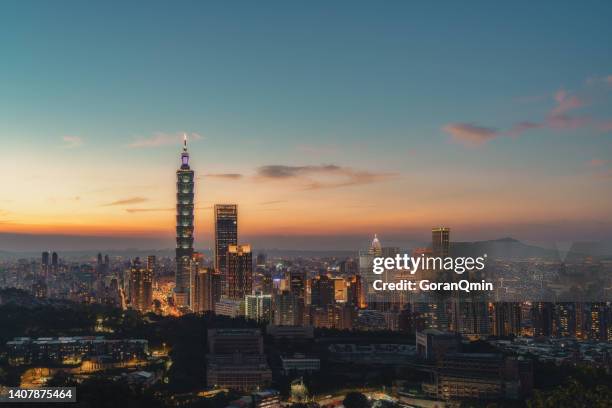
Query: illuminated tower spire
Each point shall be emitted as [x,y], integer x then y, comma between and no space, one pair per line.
[184,227]
[185,154]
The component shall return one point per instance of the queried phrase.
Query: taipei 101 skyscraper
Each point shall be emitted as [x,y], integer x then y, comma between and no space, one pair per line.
[184,228]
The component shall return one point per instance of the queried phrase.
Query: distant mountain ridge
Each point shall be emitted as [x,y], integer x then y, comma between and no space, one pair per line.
[504,248]
[513,249]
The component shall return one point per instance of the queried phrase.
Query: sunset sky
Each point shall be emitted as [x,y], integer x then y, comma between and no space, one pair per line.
[319,119]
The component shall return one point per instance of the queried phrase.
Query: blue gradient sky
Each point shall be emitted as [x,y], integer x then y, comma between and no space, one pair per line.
[420,106]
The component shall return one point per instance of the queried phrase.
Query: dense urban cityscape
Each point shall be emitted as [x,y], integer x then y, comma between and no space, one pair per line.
[237,327]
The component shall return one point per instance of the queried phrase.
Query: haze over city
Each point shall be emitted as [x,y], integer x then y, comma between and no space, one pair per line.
[322,131]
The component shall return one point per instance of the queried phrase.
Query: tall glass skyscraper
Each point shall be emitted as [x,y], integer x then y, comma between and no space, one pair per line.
[226,234]
[141,286]
[239,277]
[184,228]
[440,240]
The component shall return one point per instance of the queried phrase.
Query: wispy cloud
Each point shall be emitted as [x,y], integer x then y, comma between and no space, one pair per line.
[163,139]
[277,171]
[566,102]
[273,202]
[71,142]
[469,133]
[560,117]
[321,176]
[127,201]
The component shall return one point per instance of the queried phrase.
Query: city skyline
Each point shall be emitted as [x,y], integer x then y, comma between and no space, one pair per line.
[306,205]
[413,122]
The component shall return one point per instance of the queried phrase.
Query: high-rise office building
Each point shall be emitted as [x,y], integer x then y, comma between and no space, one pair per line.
[564,324]
[44,267]
[226,234]
[205,284]
[297,283]
[323,291]
[581,320]
[340,289]
[184,228]
[100,272]
[195,266]
[54,263]
[470,317]
[152,263]
[141,286]
[598,330]
[239,277]
[354,289]
[506,319]
[334,316]
[440,241]
[287,309]
[258,307]
[542,318]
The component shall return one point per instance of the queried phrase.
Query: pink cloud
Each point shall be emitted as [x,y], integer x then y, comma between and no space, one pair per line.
[470,134]
[559,117]
[566,102]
